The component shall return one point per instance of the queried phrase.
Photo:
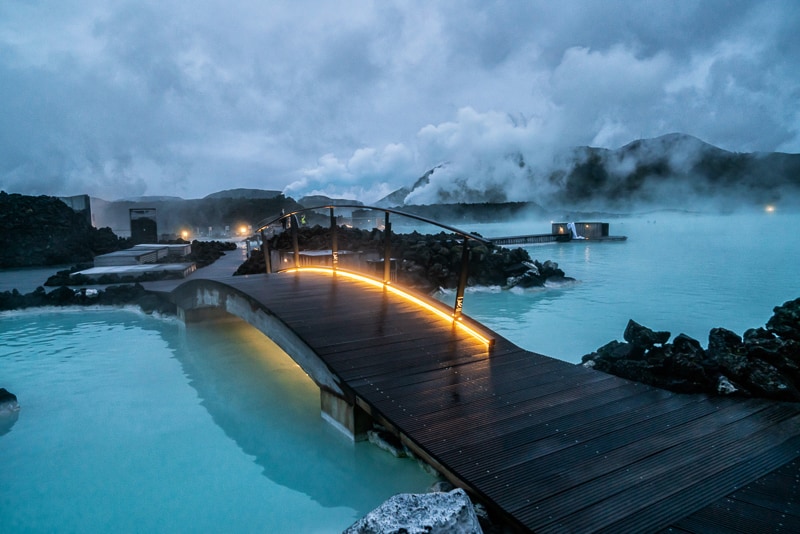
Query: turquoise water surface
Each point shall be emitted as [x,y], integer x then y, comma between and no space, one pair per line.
[677,272]
[134,424]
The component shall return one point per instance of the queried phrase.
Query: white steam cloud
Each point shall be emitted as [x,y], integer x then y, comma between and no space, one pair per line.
[368,174]
[591,97]
[358,99]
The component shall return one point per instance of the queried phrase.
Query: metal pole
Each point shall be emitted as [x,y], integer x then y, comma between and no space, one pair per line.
[462,279]
[334,243]
[387,249]
[265,250]
[296,245]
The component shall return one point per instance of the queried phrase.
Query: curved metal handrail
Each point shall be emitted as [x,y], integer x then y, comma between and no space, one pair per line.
[262,225]
[462,280]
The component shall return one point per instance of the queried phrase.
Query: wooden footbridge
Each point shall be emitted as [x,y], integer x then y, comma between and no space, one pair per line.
[548,446]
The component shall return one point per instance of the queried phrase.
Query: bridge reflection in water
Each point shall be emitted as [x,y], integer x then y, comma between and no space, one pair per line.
[547,445]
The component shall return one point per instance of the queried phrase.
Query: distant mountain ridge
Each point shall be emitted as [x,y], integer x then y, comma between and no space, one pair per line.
[244,193]
[311,201]
[667,171]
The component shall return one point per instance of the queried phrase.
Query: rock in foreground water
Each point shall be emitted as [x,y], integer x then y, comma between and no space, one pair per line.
[409,513]
[8,402]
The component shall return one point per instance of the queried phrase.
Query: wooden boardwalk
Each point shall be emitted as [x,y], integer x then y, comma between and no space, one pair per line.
[549,446]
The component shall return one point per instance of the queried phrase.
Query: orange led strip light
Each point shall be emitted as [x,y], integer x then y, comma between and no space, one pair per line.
[399,292]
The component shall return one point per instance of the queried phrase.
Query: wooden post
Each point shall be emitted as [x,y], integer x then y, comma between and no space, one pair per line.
[387,250]
[265,250]
[462,279]
[295,244]
[334,243]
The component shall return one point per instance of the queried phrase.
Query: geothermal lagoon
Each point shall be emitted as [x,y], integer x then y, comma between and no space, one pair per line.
[137,423]
[677,272]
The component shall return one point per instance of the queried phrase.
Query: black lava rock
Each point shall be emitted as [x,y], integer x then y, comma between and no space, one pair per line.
[765,362]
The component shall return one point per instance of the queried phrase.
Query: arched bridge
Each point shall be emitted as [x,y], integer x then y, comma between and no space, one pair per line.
[547,445]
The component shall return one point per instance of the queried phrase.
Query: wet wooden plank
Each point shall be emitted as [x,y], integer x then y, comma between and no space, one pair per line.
[770,504]
[547,444]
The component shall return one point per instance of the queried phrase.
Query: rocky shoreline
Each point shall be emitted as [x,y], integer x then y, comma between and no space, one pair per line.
[114,295]
[428,262]
[764,362]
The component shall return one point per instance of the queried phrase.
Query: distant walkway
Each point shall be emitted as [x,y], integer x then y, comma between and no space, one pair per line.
[26,280]
[549,446]
[223,268]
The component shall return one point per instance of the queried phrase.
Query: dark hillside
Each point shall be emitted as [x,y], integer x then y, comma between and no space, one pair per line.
[44,231]
[176,215]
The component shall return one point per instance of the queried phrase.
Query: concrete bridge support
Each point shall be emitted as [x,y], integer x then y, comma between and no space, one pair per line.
[346,416]
[337,406]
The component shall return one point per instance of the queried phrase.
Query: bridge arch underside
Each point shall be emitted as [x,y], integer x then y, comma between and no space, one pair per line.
[208,300]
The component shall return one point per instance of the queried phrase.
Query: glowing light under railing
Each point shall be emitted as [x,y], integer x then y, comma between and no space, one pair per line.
[399,292]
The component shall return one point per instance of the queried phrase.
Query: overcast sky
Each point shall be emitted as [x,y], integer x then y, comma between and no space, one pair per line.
[356,98]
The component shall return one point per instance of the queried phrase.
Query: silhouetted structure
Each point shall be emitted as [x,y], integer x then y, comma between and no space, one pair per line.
[143,225]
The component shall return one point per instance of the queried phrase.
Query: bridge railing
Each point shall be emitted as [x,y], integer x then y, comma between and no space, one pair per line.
[290,220]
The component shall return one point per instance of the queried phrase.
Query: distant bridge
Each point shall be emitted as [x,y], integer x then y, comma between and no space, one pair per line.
[547,445]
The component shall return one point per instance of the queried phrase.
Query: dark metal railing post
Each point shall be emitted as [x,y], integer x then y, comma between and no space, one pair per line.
[462,279]
[334,243]
[387,249]
[295,242]
[265,250]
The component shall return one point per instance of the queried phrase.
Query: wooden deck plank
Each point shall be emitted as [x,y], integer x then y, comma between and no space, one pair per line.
[512,358]
[572,420]
[544,394]
[769,504]
[625,463]
[662,476]
[740,517]
[520,429]
[711,480]
[548,445]
[563,459]
[411,359]
[431,426]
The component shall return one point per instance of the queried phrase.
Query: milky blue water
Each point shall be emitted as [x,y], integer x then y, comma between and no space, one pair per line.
[134,424]
[675,272]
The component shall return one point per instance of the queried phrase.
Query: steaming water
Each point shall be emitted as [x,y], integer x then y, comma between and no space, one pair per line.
[131,424]
[676,272]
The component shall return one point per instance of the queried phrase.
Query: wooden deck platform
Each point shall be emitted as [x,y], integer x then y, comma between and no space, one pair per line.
[537,239]
[549,446]
[532,239]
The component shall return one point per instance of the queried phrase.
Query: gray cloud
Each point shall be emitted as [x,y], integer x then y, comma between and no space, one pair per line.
[131,98]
